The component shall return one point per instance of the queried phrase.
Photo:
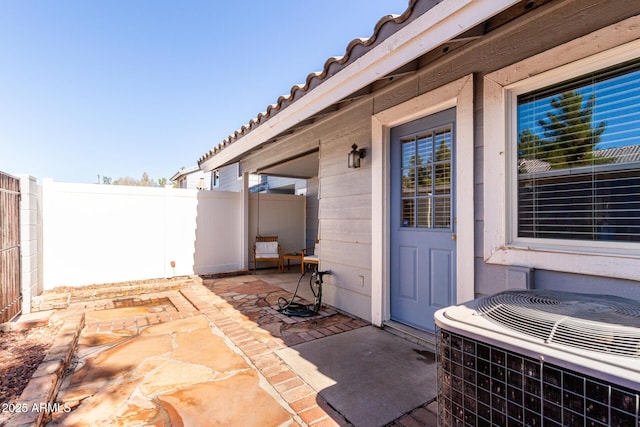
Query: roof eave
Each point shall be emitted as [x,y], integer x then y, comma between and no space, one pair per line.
[184,172]
[438,25]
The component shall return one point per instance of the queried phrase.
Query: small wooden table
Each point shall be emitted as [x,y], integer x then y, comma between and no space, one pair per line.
[288,257]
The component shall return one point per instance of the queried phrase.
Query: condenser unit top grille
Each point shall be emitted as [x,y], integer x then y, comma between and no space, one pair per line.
[600,323]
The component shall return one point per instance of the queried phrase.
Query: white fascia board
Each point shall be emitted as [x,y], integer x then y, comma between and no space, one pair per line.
[436,26]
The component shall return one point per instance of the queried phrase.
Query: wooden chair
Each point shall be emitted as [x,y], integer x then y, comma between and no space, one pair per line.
[310,256]
[266,248]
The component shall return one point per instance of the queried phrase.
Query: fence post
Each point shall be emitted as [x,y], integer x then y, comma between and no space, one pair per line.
[29,254]
[167,271]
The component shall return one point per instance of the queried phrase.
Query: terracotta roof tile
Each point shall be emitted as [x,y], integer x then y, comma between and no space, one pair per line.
[385,27]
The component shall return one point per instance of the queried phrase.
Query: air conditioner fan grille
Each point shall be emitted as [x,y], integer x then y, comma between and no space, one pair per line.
[599,323]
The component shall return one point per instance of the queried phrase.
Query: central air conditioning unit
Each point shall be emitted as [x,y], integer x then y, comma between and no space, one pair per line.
[539,358]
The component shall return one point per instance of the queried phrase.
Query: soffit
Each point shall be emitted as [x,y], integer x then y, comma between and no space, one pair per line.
[304,167]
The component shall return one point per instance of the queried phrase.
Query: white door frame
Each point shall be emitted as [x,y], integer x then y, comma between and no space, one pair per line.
[458,94]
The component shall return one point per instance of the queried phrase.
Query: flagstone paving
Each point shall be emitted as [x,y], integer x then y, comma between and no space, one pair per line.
[181,372]
[189,352]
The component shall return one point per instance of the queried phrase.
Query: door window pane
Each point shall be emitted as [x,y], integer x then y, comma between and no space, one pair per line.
[408,153]
[424,180]
[443,178]
[425,212]
[442,212]
[425,150]
[408,213]
[443,145]
[426,172]
[408,182]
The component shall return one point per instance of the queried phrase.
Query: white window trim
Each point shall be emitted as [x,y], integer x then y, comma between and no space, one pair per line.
[603,48]
[457,94]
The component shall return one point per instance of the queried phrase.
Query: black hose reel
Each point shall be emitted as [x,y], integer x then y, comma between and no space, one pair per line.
[299,309]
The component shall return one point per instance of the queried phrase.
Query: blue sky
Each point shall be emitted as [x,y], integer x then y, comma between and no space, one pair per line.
[117,88]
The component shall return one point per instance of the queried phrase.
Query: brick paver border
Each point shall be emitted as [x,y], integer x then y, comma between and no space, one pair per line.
[301,398]
[38,397]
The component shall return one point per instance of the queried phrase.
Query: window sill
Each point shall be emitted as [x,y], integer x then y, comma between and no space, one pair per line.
[622,264]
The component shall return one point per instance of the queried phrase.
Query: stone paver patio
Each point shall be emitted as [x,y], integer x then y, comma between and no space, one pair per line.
[188,352]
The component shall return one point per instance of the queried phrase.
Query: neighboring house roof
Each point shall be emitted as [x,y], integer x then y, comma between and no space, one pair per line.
[615,155]
[422,32]
[184,172]
[533,166]
[628,154]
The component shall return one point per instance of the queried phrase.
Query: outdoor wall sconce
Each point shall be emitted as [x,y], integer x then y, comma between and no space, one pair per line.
[355,155]
[200,185]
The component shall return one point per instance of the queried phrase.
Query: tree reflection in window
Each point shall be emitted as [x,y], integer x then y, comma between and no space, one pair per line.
[569,134]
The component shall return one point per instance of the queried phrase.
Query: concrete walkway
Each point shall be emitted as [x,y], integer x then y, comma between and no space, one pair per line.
[368,375]
[217,352]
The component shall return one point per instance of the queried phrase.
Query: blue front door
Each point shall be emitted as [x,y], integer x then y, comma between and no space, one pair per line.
[423,245]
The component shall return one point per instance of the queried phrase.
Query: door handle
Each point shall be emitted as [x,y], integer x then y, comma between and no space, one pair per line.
[454,237]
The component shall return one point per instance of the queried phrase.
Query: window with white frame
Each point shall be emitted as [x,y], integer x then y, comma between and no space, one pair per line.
[561,169]
[577,158]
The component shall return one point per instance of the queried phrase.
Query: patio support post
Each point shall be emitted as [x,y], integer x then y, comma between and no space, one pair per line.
[380,311]
[244,232]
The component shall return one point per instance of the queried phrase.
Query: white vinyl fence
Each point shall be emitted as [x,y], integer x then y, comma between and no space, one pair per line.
[94,234]
[107,233]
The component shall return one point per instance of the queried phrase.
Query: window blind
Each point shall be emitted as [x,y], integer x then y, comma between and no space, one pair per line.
[578,158]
